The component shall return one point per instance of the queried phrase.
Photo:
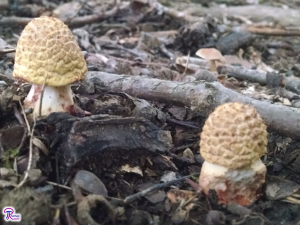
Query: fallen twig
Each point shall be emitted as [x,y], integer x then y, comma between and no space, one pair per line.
[173,13]
[5,51]
[291,84]
[30,148]
[134,63]
[288,17]
[25,118]
[181,123]
[14,20]
[135,196]
[272,31]
[59,185]
[76,22]
[201,97]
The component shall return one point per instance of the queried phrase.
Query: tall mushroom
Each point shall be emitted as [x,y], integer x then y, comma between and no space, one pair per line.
[233,138]
[213,55]
[48,54]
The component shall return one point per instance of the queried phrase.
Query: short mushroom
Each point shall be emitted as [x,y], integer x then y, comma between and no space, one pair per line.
[48,54]
[213,55]
[233,139]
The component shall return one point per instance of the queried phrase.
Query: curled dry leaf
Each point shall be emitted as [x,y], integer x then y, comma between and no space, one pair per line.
[128,169]
[5,173]
[40,145]
[279,188]
[189,154]
[34,174]
[67,11]
[5,184]
[89,182]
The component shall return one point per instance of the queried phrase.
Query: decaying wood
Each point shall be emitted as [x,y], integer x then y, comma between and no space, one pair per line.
[201,97]
[110,134]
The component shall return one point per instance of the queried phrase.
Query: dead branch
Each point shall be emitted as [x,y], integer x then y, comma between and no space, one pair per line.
[76,22]
[286,17]
[14,20]
[272,31]
[142,193]
[83,20]
[243,73]
[201,97]
[4,51]
[289,83]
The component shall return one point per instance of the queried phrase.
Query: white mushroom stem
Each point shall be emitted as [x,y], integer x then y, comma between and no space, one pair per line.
[55,99]
[241,186]
[213,66]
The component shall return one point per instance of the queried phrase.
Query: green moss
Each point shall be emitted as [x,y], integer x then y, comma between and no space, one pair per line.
[8,156]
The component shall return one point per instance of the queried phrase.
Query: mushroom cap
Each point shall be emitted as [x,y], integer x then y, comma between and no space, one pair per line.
[234,136]
[47,48]
[210,54]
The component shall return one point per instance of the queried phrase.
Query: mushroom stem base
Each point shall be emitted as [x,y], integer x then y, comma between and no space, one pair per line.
[55,99]
[241,186]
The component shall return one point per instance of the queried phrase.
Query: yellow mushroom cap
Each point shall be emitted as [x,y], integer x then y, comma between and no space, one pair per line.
[234,136]
[47,47]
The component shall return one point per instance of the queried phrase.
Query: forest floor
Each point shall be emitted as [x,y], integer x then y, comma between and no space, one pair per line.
[132,155]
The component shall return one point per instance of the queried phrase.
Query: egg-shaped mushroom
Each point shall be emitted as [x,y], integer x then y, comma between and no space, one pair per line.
[233,139]
[48,54]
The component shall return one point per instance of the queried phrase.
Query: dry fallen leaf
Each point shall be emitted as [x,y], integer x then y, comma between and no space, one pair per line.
[177,196]
[89,182]
[128,169]
[40,145]
[67,11]
[232,59]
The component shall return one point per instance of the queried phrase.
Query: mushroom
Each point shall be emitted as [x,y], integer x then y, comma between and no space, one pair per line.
[233,139]
[213,55]
[48,54]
